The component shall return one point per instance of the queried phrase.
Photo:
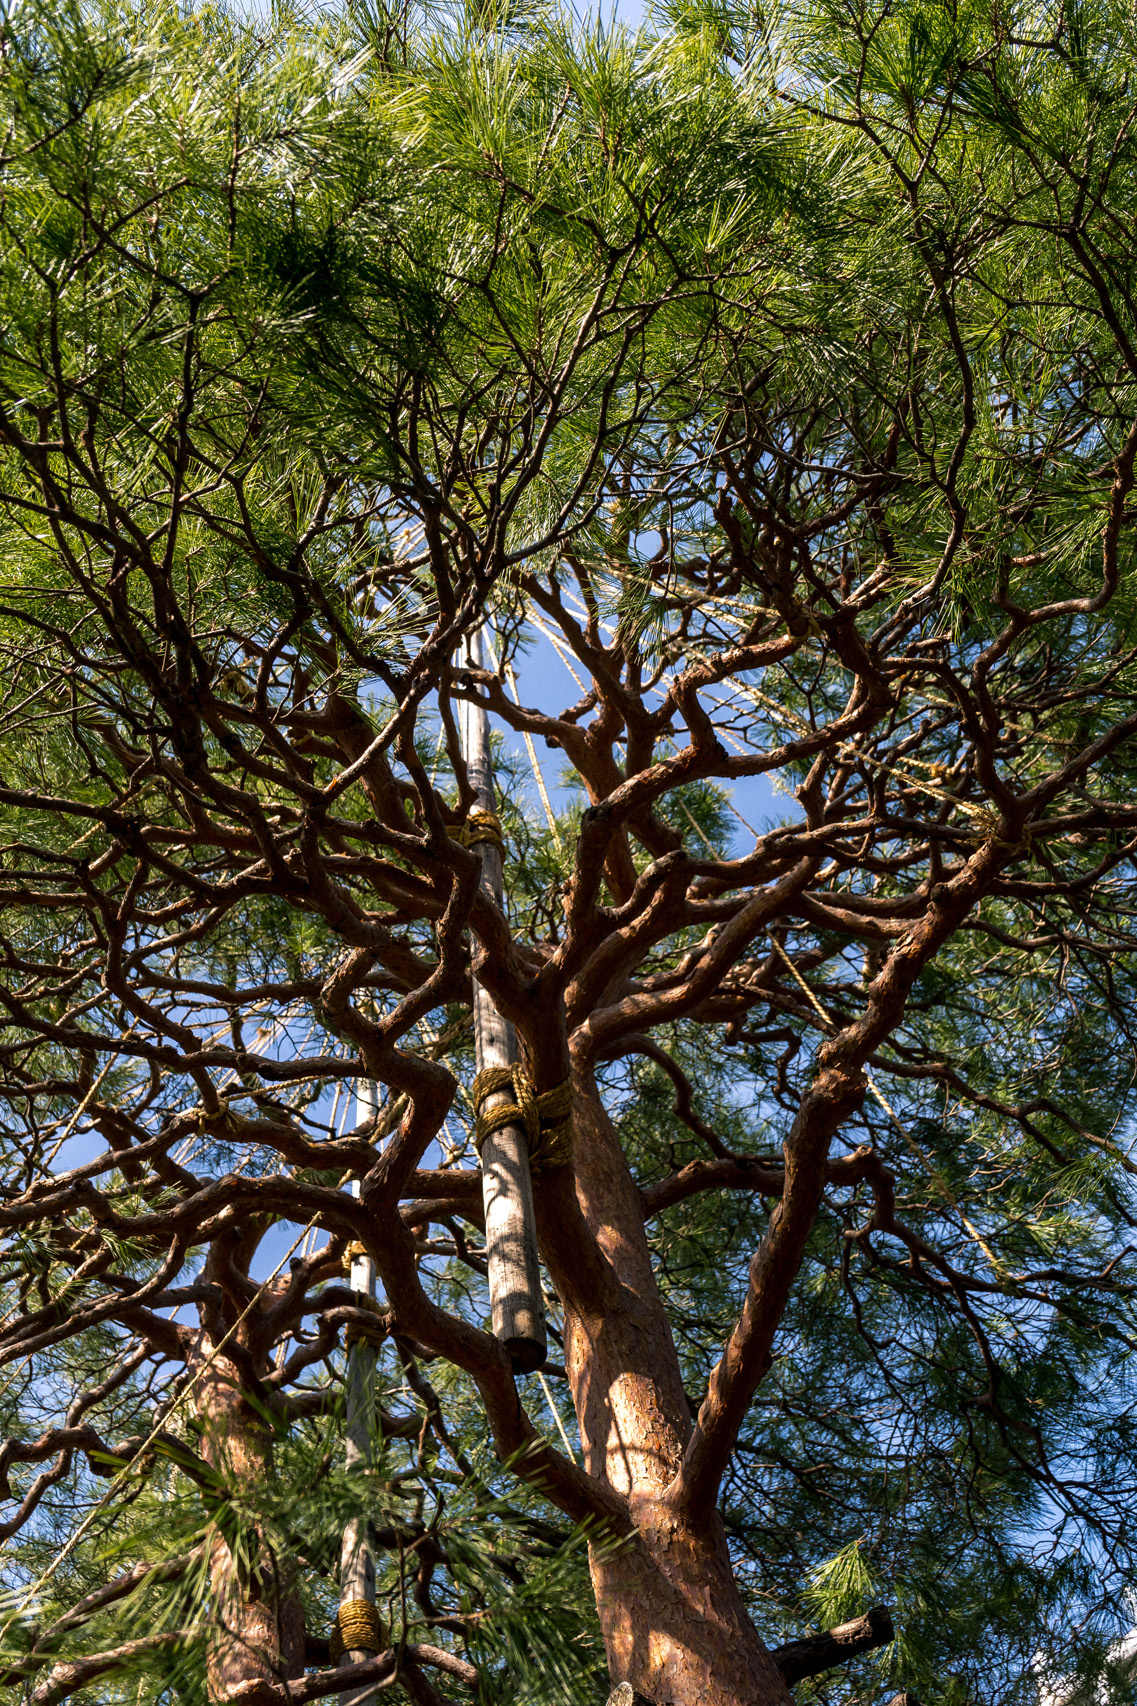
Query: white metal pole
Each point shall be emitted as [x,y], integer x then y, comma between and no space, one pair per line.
[357,1562]
[507,1188]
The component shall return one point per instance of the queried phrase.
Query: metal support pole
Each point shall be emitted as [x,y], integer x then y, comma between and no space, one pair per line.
[507,1189]
[357,1563]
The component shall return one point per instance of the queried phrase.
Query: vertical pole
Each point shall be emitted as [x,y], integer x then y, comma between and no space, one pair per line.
[507,1189]
[357,1563]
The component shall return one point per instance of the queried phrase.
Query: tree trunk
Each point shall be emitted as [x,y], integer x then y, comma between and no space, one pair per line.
[674,1624]
[258,1632]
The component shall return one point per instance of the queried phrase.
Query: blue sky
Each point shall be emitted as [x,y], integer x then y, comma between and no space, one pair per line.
[545,684]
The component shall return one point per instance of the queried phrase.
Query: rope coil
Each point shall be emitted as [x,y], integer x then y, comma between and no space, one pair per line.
[545,1119]
[357,1629]
[364,1332]
[481,825]
[354,1249]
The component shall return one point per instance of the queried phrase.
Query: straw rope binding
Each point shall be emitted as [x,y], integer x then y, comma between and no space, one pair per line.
[546,1119]
[481,825]
[354,1249]
[365,1332]
[357,1629]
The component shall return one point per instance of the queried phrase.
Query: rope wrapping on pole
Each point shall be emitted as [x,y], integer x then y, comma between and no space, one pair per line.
[481,825]
[365,1333]
[509,1139]
[358,1628]
[546,1118]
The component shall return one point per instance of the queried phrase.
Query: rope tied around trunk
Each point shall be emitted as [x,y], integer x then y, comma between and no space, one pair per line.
[546,1118]
[481,825]
[357,1629]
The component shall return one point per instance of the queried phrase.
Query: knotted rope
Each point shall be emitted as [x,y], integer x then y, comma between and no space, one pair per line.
[357,1629]
[365,1332]
[354,1249]
[481,825]
[546,1119]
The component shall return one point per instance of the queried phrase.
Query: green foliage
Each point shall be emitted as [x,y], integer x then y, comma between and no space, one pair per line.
[323,337]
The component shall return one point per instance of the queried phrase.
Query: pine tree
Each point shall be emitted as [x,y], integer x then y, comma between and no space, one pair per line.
[745,403]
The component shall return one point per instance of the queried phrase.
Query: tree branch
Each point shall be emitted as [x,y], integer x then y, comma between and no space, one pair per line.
[809,1657]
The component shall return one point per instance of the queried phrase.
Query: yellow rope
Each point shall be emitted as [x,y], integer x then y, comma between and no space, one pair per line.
[546,1119]
[357,1629]
[364,1333]
[481,825]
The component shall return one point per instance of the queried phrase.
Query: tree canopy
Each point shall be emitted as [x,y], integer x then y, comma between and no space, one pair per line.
[760,386]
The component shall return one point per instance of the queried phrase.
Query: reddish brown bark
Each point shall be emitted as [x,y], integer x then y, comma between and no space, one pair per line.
[674,1624]
[930,774]
[258,1621]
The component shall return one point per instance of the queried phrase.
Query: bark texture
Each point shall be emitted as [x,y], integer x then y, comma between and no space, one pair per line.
[258,1633]
[674,1624]
[798,1659]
